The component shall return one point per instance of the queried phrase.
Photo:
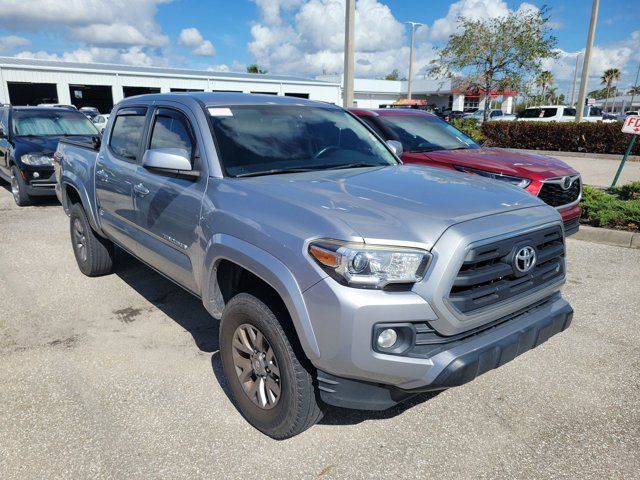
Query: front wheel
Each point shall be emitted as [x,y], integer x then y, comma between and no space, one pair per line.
[94,254]
[271,387]
[19,188]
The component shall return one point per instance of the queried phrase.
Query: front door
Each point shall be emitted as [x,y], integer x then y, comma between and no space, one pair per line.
[115,171]
[168,205]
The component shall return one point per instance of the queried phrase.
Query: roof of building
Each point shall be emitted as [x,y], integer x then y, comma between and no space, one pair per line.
[32,63]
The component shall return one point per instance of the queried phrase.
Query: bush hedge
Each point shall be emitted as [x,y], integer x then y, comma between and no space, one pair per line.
[568,137]
[471,127]
[618,208]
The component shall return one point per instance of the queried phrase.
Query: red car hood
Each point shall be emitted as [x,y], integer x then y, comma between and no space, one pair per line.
[508,162]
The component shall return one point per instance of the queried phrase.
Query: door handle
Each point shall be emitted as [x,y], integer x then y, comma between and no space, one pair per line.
[102,175]
[140,190]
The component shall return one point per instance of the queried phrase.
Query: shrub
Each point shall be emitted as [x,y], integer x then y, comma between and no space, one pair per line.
[471,127]
[569,137]
[619,208]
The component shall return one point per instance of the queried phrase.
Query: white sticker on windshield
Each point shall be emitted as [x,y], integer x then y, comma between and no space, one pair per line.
[220,112]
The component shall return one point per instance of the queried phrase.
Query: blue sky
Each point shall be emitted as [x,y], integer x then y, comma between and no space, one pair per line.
[302,37]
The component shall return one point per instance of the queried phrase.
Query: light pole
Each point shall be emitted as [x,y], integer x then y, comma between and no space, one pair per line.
[575,80]
[633,88]
[587,58]
[349,39]
[413,26]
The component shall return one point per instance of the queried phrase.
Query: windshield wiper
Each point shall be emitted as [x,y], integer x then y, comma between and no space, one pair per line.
[354,165]
[275,171]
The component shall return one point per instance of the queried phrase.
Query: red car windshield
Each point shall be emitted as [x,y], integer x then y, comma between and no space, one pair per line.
[426,134]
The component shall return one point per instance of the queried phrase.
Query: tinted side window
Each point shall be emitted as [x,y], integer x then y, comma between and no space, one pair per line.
[4,120]
[127,133]
[171,131]
[372,123]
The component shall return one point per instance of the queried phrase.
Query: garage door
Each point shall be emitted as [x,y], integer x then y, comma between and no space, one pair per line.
[131,91]
[26,93]
[98,96]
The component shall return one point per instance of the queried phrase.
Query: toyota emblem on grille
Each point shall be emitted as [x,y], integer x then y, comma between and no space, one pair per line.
[525,259]
[566,183]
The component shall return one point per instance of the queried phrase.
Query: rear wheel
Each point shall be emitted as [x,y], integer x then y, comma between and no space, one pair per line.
[94,254]
[271,387]
[19,188]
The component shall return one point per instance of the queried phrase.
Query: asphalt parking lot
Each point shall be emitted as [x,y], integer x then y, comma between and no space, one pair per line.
[119,377]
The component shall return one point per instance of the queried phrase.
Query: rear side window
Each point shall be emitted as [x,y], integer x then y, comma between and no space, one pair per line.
[127,132]
[569,112]
[171,130]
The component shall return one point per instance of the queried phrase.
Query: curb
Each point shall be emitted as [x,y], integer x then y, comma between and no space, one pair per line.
[618,238]
[602,156]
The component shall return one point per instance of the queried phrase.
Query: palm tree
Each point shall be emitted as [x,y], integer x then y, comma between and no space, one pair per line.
[544,80]
[608,77]
[634,90]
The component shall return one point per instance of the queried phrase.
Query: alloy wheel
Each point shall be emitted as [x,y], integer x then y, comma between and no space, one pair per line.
[256,366]
[79,239]
[15,188]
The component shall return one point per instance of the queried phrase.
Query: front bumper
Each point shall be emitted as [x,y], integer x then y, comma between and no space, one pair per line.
[459,362]
[41,182]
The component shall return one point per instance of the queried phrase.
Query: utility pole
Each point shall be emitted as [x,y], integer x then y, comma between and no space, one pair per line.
[633,91]
[587,59]
[413,26]
[349,40]
[575,80]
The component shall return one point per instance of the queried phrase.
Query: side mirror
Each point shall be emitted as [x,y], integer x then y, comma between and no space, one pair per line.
[167,159]
[396,147]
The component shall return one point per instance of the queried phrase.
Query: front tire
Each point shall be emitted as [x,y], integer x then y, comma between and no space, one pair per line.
[271,387]
[19,188]
[93,253]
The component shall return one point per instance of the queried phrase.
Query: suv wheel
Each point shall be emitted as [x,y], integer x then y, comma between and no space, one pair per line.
[270,385]
[93,253]
[19,188]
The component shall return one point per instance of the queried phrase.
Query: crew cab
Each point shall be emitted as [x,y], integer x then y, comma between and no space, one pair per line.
[28,138]
[427,140]
[339,275]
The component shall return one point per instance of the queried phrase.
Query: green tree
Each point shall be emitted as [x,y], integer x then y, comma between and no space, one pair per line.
[394,75]
[608,77]
[510,48]
[255,68]
[634,90]
[544,80]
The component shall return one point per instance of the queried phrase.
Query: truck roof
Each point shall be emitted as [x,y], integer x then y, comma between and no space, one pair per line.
[212,99]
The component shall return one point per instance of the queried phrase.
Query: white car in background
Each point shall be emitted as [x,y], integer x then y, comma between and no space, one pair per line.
[100,121]
[559,113]
[494,115]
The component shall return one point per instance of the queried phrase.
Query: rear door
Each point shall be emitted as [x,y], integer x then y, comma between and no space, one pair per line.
[168,205]
[115,173]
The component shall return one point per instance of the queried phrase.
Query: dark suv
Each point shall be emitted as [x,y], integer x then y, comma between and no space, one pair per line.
[28,138]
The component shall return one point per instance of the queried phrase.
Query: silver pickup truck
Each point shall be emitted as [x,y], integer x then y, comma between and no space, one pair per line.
[339,275]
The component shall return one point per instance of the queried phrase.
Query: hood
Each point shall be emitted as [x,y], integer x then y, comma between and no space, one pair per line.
[396,203]
[46,144]
[509,162]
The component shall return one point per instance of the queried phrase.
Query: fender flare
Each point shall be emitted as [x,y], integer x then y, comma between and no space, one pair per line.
[87,202]
[269,269]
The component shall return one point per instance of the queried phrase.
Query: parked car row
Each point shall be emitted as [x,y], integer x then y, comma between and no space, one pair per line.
[339,274]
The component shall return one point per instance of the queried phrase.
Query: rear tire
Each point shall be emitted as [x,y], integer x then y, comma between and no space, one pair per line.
[19,188]
[271,387]
[93,253]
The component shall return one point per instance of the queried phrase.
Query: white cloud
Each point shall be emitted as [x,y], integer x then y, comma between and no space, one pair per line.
[10,43]
[96,22]
[127,56]
[473,9]
[308,38]
[192,38]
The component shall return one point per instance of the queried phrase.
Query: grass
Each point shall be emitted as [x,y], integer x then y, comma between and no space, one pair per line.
[618,208]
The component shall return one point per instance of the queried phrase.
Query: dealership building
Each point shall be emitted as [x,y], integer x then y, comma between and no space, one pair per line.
[34,81]
[31,81]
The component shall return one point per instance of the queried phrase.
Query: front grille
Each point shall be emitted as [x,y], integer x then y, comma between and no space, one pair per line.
[553,194]
[488,277]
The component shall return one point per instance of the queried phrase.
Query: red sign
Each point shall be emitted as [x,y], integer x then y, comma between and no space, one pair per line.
[631,125]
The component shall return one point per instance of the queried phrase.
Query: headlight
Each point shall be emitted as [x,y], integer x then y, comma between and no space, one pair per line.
[369,266]
[517,181]
[36,159]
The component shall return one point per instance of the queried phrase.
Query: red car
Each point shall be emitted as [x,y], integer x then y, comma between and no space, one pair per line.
[428,140]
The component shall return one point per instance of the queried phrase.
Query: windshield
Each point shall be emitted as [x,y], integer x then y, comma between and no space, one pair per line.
[269,139]
[51,122]
[425,134]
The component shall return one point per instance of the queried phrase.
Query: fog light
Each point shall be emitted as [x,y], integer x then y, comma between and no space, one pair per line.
[36,175]
[387,338]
